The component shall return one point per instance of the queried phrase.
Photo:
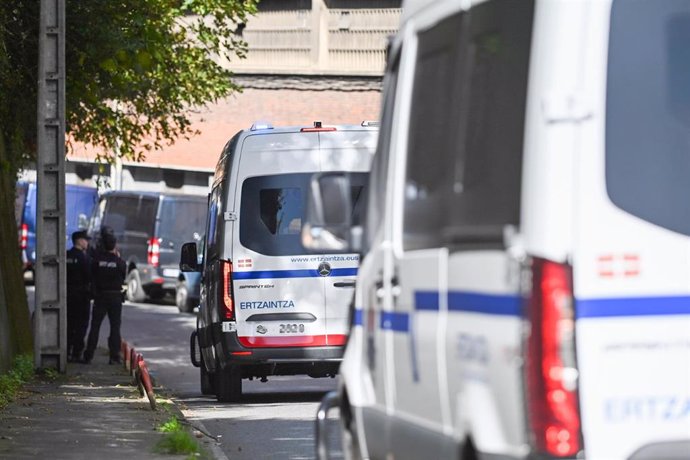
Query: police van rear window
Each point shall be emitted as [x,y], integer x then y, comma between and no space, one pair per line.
[131,214]
[648,111]
[467,118]
[182,220]
[272,211]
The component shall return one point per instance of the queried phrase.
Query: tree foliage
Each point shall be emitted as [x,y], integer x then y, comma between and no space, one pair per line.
[135,70]
[136,67]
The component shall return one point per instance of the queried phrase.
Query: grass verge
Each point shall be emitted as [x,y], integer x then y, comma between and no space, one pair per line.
[22,371]
[177,440]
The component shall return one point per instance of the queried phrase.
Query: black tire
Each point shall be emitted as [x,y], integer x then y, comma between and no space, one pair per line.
[349,439]
[228,384]
[184,304]
[135,291]
[351,447]
[206,379]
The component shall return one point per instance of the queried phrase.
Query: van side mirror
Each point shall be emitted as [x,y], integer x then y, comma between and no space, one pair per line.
[188,258]
[328,223]
[83,221]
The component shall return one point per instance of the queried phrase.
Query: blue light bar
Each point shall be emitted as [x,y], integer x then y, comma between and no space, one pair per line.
[261,125]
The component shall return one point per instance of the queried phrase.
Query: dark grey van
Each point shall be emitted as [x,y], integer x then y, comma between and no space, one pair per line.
[150,227]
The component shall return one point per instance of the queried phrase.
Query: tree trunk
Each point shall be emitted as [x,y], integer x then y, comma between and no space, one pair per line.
[16,335]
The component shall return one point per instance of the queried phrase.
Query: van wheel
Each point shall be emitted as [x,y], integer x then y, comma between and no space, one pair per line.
[228,384]
[182,298]
[206,379]
[135,292]
[351,448]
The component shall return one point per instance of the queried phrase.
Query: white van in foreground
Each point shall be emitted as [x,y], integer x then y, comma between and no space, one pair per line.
[525,286]
[267,306]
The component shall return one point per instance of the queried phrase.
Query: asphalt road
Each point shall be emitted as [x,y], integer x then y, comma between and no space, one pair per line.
[274,420]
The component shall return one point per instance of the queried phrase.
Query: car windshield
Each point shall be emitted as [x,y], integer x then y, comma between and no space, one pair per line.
[648,112]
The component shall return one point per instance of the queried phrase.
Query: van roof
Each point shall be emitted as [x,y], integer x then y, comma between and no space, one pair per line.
[411,7]
[152,194]
[266,128]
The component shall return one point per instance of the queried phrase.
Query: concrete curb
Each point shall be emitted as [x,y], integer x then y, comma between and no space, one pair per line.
[135,364]
[215,448]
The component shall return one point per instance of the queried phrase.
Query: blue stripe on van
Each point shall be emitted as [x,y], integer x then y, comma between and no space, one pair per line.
[505,305]
[395,321]
[427,300]
[491,304]
[632,306]
[358,319]
[274,274]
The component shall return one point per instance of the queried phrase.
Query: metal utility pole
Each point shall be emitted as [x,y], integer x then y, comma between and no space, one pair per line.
[50,321]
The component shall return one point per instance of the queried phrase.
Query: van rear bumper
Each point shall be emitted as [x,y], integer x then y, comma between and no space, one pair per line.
[321,361]
[235,352]
[155,280]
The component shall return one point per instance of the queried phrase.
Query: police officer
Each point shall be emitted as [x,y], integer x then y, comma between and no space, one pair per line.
[108,272]
[98,246]
[78,295]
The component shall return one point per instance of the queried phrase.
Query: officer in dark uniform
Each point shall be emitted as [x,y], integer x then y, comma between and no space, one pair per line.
[108,272]
[78,295]
[98,240]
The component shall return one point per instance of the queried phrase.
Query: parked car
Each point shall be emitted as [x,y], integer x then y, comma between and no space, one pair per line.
[188,288]
[524,291]
[187,291]
[268,308]
[150,227]
[80,201]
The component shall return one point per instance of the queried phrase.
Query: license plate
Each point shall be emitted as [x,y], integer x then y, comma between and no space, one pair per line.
[171,272]
[291,328]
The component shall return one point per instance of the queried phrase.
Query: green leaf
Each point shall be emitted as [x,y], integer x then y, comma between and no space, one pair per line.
[144,59]
[109,64]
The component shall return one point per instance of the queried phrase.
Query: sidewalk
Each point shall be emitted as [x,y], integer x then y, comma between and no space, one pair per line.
[91,412]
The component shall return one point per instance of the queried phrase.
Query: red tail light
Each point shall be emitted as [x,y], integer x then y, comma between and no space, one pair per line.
[154,251]
[225,291]
[550,362]
[24,238]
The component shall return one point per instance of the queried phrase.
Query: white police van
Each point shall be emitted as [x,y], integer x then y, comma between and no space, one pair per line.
[525,286]
[267,306]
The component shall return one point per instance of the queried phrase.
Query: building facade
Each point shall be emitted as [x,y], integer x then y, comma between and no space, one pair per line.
[307,60]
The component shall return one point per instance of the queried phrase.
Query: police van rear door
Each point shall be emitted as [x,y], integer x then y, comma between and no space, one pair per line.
[632,263]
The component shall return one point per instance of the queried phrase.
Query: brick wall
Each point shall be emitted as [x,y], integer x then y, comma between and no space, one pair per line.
[347,102]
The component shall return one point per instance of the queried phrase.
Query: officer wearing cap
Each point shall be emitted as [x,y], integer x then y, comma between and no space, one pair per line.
[108,272]
[78,294]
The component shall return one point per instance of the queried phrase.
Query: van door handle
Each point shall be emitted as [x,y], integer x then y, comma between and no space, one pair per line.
[344,284]
[380,292]
[395,287]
